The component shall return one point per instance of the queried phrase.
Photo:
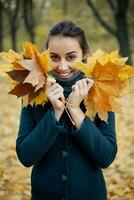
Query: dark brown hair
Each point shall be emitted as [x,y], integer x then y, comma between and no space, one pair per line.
[69,29]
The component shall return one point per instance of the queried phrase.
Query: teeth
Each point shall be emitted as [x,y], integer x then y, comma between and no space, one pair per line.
[65,74]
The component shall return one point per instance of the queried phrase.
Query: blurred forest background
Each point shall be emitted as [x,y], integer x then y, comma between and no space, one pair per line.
[108,24]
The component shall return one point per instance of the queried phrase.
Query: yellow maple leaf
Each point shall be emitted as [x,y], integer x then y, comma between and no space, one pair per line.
[125,72]
[29,49]
[10,56]
[44,61]
[40,99]
[7,60]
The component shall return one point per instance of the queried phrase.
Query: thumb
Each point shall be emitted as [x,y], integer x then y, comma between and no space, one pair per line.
[90,82]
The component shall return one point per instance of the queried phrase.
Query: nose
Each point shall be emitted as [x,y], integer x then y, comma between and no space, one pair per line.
[63,65]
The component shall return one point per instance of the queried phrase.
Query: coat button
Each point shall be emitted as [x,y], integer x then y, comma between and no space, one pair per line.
[64,154]
[64,177]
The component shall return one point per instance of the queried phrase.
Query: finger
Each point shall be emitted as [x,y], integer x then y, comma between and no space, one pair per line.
[48,84]
[57,90]
[76,89]
[73,87]
[50,87]
[89,80]
[85,85]
[55,86]
[57,96]
[80,86]
[90,84]
[51,80]
[54,89]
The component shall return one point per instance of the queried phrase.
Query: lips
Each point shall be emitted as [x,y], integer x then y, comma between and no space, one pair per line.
[64,75]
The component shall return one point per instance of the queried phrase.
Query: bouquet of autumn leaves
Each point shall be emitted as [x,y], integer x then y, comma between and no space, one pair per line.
[27,74]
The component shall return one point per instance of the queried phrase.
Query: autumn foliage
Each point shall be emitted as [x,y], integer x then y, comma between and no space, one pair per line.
[27,73]
[111,80]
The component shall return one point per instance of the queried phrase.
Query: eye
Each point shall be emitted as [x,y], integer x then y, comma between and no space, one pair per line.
[71,57]
[54,58]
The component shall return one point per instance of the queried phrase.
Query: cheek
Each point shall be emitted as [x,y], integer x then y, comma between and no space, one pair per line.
[72,64]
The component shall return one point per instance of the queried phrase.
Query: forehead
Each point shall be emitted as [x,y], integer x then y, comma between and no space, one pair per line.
[62,44]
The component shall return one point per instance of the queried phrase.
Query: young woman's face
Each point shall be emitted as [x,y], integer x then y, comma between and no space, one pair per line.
[64,52]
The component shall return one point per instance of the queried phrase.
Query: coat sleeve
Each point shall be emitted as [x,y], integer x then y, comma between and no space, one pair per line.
[98,142]
[33,141]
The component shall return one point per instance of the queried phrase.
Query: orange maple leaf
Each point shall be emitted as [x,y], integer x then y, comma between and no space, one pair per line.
[38,66]
[111,78]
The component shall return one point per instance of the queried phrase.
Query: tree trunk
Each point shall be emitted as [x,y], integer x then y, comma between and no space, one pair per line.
[12,14]
[13,32]
[65,7]
[29,18]
[119,9]
[122,31]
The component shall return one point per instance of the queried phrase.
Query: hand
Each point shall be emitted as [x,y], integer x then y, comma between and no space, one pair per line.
[54,93]
[79,92]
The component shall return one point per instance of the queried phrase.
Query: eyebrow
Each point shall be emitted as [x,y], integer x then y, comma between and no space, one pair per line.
[66,53]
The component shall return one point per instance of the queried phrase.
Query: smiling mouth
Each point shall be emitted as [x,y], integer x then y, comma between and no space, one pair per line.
[64,75]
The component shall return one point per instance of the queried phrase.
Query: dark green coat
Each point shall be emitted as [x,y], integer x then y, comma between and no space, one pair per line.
[66,161]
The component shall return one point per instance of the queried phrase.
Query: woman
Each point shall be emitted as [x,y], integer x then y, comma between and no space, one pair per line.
[67,158]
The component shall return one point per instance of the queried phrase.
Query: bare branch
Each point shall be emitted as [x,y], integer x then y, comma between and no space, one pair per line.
[112,5]
[100,19]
